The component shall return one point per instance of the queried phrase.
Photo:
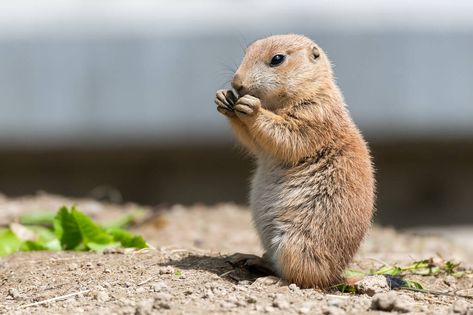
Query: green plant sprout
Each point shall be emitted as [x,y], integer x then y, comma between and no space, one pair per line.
[68,229]
[396,274]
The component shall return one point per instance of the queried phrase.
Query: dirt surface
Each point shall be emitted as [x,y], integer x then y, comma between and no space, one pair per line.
[187,270]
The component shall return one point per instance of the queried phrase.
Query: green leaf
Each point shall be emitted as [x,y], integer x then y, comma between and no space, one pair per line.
[91,232]
[9,243]
[392,271]
[43,233]
[412,284]
[29,246]
[429,271]
[46,238]
[66,229]
[345,288]
[53,245]
[350,273]
[73,230]
[38,218]
[450,266]
[458,274]
[127,239]
[426,263]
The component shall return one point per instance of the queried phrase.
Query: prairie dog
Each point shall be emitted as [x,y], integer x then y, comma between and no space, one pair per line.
[312,194]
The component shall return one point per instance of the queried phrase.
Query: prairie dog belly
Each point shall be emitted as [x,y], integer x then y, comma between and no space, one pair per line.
[267,200]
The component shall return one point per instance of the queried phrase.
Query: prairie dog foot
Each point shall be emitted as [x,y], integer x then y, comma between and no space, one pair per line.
[252,263]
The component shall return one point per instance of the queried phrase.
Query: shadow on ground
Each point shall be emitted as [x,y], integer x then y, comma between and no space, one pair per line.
[236,267]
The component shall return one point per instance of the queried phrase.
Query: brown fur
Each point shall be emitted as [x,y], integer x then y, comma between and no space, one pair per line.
[313,191]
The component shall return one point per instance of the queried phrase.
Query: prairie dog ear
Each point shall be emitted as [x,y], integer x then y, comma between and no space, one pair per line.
[315,52]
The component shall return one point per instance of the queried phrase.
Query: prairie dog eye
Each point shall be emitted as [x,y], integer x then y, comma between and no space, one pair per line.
[277,60]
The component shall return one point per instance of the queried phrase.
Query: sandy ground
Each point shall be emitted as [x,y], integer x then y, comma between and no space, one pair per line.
[187,271]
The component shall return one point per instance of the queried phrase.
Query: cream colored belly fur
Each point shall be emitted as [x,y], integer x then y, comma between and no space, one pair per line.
[266,202]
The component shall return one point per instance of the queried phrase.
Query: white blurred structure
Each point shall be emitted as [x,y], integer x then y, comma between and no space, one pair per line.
[113,93]
[117,72]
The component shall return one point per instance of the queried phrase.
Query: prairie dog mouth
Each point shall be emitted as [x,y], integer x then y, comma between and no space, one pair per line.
[252,92]
[242,92]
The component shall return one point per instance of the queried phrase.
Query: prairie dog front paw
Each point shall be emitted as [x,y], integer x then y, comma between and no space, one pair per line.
[225,100]
[247,105]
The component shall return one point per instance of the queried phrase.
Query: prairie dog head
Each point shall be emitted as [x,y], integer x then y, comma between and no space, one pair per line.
[281,69]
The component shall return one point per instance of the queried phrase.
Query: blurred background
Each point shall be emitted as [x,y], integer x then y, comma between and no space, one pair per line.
[114,99]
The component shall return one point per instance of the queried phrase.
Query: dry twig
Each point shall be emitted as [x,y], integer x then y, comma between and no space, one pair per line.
[54,299]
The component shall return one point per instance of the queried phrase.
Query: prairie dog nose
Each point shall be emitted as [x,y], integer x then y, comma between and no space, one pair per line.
[237,84]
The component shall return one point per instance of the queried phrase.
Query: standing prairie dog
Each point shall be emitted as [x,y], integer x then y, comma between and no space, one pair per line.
[312,193]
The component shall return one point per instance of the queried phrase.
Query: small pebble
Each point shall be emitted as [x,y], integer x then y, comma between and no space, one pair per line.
[460,307]
[101,296]
[450,281]
[140,290]
[232,299]
[384,301]
[266,281]
[244,282]
[269,309]
[391,301]
[208,294]
[404,304]
[219,291]
[280,302]
[166,270]
[14,293]
[72,266]
[241,288]
[128,310]
[160,287]
[188,292]
[116,250]
[162,304]
[335,301]
[226,304]
[163,297]
[145,307]
[305,308]
[371,285]
[293,287]
[241,303]
[332,310]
